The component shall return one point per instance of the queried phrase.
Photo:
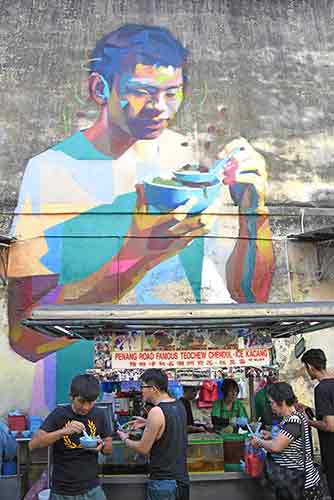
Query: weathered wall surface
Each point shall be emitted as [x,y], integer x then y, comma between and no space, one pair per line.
[261,70]
[16,373]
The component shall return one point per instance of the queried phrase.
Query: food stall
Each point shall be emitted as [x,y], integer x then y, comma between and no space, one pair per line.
[191,343]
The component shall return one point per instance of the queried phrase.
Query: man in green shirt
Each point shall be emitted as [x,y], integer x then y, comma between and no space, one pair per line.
[263,409]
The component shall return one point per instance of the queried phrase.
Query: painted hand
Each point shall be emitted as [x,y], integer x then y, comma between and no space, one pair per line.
[158,237]
[246,175]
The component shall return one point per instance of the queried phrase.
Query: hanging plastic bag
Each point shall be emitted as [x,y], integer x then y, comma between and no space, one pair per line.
[7,443]
[40,485]
[254,460]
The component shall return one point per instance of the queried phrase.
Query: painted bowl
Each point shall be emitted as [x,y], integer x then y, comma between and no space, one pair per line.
[195,176]
[167,197]
[199,174]
[88,443]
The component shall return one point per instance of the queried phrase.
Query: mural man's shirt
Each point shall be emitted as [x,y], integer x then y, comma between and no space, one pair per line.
[75,469]
[75,208]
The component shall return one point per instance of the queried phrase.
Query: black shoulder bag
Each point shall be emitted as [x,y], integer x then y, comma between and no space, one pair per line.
[286,483]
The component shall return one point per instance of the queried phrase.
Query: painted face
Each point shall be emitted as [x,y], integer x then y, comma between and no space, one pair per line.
[80,406]
[144,101]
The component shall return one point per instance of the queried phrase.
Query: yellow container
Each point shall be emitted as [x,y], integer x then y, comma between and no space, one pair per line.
[205,454]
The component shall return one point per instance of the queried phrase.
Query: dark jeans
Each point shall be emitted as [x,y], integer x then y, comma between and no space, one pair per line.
[161,489]
[183,492]
[167,490]
[330,482]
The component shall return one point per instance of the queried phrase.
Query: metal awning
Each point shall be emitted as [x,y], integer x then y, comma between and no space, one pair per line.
[325,233]
[91,321]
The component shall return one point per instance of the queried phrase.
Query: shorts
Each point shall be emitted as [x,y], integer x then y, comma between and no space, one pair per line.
[94,494]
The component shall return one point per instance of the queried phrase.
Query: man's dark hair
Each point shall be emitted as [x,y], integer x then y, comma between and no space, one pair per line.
[86,387]
[227,385]
[315,358]
[133,44]
[155,377]
[190,388]
[282,392]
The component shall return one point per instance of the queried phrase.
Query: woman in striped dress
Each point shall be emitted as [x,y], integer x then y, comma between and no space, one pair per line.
[291,448]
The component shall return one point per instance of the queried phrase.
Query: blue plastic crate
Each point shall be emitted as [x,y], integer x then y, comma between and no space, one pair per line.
[9,468]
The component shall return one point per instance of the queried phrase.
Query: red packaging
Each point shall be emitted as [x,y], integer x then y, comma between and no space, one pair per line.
[254,465]
[17,422]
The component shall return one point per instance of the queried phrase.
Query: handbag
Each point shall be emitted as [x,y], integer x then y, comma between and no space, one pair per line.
[286,483]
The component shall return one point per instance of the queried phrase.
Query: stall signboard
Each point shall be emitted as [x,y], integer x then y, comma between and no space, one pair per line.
[192,359]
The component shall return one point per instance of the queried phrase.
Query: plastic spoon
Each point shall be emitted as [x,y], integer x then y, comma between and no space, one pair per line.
[250,430]
[84,432]
[258,427]
[220,164]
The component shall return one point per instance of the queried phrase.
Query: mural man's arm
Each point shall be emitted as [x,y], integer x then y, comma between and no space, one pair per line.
[151,239]
[250,267]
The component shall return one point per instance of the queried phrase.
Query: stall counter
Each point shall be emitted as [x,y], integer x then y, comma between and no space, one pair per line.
[234,485]
[128,486]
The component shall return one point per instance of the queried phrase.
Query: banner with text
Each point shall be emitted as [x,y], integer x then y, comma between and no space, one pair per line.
[192,359]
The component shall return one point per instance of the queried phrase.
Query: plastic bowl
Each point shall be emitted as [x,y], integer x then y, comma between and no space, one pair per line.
[167,198]
[88,443]
[44,494]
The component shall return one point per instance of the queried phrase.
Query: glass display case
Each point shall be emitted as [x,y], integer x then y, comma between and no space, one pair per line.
[205,453]
[123,460]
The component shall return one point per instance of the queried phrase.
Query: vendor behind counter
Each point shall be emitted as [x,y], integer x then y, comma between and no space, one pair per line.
[225,410]
[189,394]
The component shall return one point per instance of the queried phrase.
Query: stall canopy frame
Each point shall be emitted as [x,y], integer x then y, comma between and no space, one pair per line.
[5,242]
[87,322]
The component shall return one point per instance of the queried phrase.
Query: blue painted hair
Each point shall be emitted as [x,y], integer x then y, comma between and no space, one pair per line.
[133,44]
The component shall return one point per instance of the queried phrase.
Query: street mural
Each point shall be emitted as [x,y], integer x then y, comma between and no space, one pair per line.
[129,210]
